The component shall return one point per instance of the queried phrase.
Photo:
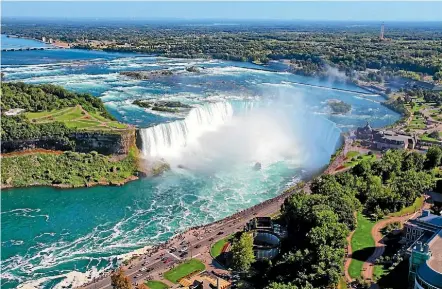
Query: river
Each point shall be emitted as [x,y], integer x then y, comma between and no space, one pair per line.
[240,116]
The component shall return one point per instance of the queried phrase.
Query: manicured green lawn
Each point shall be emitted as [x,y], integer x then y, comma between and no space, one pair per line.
[81,124]
[71,115]
[175,274]
[411,209]
[352,154]
[361,241]
[215,251]
[355,162]
[156,285]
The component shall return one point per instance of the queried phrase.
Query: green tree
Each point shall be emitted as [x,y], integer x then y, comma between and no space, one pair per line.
[413,161]
[433,157]
[120,281]
[275,285]
[242,251]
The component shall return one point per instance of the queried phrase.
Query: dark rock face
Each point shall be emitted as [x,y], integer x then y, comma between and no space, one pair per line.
[105,143]
[101,142]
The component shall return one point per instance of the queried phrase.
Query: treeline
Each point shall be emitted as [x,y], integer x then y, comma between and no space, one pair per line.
[409,47]
[47,97]
[20,128]
[318,223]
[427,95]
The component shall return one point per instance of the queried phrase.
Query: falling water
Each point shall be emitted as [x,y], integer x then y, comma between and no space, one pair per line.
[166,139]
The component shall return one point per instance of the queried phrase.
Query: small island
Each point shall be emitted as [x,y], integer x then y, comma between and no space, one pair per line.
[147,74]
[339,107]
[162,105]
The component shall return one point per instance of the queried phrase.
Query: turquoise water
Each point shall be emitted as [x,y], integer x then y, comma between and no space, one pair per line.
[48,233]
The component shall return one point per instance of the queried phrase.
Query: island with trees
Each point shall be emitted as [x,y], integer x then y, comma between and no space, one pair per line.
[339,107]
[162,105]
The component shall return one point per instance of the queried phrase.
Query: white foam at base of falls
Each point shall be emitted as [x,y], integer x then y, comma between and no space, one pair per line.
[166,139]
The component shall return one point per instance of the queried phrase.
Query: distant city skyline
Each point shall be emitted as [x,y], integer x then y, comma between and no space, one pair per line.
[310,11]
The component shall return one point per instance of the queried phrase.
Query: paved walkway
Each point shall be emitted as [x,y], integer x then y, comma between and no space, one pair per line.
[348,259]
[368,266]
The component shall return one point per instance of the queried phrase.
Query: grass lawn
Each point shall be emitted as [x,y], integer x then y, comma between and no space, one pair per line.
[81,124]
[357,160]
[156,285]
[74,117]
[352,154]
[362,245]
[410,209]
[175,274]
[215,251]
[70,115]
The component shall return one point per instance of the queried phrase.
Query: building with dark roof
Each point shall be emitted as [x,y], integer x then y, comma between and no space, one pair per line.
[364,133]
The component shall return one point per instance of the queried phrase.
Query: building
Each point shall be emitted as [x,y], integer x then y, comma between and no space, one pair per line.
[426,224]
[390,140]
[260,223]
[425,263]
[51,40]
[364,133]
[43,39]
[266,237]
[204,280]
[424,85]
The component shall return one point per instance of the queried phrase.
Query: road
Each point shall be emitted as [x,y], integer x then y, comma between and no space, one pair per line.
[200,241]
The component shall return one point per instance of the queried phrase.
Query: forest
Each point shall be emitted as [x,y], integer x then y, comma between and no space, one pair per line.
[47,97]
[318,223]
[409,47]
[37,98]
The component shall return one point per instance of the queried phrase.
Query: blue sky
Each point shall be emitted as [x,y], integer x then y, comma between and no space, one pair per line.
[350,11]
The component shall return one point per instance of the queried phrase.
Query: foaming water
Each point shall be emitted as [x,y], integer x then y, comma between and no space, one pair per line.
[53,238]
[166,139]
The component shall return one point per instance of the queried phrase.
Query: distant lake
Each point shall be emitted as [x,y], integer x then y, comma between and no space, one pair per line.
[14,42]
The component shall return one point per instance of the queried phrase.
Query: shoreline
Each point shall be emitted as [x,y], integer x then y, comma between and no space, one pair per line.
[132,257]
[71,186]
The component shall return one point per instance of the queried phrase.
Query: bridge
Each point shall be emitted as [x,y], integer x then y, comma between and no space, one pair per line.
[32,48]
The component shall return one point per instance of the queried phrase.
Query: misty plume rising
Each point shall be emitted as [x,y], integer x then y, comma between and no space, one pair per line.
[213,138]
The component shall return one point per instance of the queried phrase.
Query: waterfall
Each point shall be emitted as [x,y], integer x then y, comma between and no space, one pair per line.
[167,138]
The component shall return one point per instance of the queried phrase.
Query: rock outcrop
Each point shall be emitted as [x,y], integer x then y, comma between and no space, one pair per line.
[106,143]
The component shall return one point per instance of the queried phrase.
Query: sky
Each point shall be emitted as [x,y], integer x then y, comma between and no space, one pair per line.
[315,10]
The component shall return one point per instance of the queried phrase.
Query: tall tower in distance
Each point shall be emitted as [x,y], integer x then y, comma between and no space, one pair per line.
[381,36]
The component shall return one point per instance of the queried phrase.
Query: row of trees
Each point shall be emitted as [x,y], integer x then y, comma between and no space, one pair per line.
[47,97]
[20,128]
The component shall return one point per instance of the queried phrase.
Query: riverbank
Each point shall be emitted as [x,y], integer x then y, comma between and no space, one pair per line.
[68,169]
[200,238]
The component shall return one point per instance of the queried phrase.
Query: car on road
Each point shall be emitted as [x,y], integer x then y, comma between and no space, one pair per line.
[211,239]
[138,275]
[220,233]
[197,246]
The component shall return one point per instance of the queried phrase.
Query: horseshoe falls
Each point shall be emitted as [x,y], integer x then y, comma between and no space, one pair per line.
[165,139]
[53,238]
